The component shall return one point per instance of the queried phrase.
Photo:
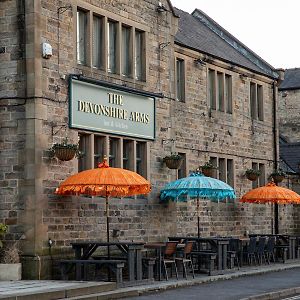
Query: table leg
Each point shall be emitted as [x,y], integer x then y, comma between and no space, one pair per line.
[131,263]
[139,270]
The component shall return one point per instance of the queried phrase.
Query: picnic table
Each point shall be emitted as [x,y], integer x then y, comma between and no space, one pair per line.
[131,251]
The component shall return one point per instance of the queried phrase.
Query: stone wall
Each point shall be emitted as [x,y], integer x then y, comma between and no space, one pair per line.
[288,114]
[197,131]
[12,114]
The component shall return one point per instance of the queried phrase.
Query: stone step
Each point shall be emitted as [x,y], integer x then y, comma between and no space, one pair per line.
[63,290]
[117,294]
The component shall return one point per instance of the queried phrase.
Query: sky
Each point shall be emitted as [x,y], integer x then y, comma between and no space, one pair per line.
[270,28]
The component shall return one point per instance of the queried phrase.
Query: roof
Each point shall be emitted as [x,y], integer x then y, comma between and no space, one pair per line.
[290,154]
[199,32]
[291,80]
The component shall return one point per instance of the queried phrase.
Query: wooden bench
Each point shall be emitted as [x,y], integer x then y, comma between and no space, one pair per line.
[209,257]
[81,266]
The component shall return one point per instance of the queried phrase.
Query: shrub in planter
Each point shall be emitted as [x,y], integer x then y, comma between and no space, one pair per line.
[252,174]
[10,266]
[278,175]
[173,161]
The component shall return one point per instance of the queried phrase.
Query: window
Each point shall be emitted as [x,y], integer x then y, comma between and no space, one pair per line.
[225,169]
[121,153]
[256,101]
[139,55]
[228,93]
[126,51]
[180,80]
[98,43]
[212,89]
[81,37]
[220,91]
[112,44]
[261,180]
[117,48]
[182,170]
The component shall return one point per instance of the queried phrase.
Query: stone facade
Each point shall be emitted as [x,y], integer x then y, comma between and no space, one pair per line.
[288,114]
[36,114]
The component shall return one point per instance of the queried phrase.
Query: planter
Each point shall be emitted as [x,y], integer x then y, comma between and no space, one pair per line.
[64,153]
[173,163]
[277,178]
[208,172]
[252,177]
[10,271]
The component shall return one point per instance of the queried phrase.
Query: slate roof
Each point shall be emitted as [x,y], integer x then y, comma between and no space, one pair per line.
[199,32]
[291,80]
[290,154]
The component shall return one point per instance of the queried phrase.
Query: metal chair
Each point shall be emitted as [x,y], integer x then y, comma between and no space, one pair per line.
[186,258]
[260,250]
[270,249]
[250,251]
[168,257]
[234,252]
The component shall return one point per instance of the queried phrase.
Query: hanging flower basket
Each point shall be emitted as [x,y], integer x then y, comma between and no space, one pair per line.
[64,154]
[278,175]
[252,174]
[64,151]
[173,161]
[208,169]
[208,172]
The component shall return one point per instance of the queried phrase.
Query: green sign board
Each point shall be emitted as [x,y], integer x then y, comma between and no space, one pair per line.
[103,109]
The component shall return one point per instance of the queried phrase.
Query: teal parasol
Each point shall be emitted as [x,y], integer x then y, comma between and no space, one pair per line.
[197,186]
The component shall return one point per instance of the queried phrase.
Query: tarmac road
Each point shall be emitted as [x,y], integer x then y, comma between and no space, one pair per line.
[233,289]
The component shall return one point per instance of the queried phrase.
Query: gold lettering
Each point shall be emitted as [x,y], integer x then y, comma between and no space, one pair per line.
[115,99]
[80,105]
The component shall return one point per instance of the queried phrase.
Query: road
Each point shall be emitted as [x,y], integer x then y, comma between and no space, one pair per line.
[233,289]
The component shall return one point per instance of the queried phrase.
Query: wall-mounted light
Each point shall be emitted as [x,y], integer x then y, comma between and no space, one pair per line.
[160,8]
[199,62]
[243,77]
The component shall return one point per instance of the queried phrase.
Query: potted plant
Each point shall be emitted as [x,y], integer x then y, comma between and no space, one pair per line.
[207,169]
[252,174]
[173,161]
[278,175]
[65,151]
[10,266]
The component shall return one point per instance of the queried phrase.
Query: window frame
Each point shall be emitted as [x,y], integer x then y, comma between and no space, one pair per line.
[219,90]
[180,78]
[116,72]
[91,158]
[256,101]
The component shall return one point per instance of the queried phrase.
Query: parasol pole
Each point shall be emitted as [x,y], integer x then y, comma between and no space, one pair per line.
[107,222]
[198,217]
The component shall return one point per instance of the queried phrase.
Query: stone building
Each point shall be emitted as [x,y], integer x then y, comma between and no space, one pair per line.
[133,80]
[289,128]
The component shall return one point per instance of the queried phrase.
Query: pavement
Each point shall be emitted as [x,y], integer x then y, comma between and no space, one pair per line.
[275,281]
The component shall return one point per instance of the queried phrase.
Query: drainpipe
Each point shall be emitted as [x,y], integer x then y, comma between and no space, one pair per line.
[276,209]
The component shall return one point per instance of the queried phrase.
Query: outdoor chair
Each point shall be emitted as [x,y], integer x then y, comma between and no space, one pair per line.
[233,252]
[168,258]
[260,250]
[270,248]
[250,251]
[186,258]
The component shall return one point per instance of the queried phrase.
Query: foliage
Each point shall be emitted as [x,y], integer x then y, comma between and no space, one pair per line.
[66,145]
[278,172]
[10,253]
[174,156]
[253,171]
[3,230]
[208,165]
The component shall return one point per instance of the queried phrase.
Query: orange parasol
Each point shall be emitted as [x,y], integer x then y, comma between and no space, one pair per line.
[271,193]
[105,182]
